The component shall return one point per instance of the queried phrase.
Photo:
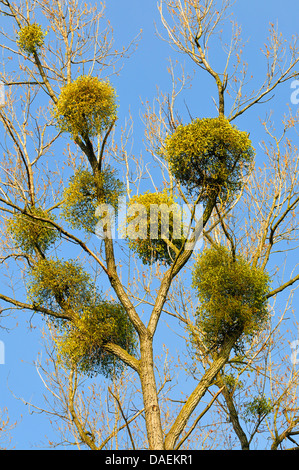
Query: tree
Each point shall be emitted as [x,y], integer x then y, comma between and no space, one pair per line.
[5,428]
[208,162]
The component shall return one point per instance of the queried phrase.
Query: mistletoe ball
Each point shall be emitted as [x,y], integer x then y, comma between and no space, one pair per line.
[209,156]
[85,106]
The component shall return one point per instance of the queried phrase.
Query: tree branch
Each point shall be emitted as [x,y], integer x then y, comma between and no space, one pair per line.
[197,394]
[124,417]
[35,307]
[283,286]
[123,355]
[85,436]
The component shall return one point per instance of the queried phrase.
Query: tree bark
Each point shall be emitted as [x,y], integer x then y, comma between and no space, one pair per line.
[150,396]
[235,419]
[197,394]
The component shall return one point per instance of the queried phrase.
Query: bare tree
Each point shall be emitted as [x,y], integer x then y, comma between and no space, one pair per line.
[248,214]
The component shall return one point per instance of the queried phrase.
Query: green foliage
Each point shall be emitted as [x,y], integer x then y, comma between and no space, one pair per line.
[232,383]
[259,407]
[232,295]
[208,156]
[66,288]
[85,106]
[81,343]
[29,233]
[80,198]
[62,286]
[31,38]
[148,248]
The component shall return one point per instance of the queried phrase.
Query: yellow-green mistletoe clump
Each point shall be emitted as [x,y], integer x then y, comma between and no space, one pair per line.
[85,106]
[154,227]
[31,38]
[208,156]
[258,408]
[65,288]
[80,199]
[82,341]
[29,233]
[62,286]
[232,295]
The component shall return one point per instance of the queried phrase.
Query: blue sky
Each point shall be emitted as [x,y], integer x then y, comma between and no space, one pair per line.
[144,71]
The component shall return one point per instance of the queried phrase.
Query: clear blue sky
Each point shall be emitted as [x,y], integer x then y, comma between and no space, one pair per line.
[142,73]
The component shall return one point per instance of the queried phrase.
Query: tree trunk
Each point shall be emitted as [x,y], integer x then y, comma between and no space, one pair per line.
[235,420]
[181,421]
[150,396]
